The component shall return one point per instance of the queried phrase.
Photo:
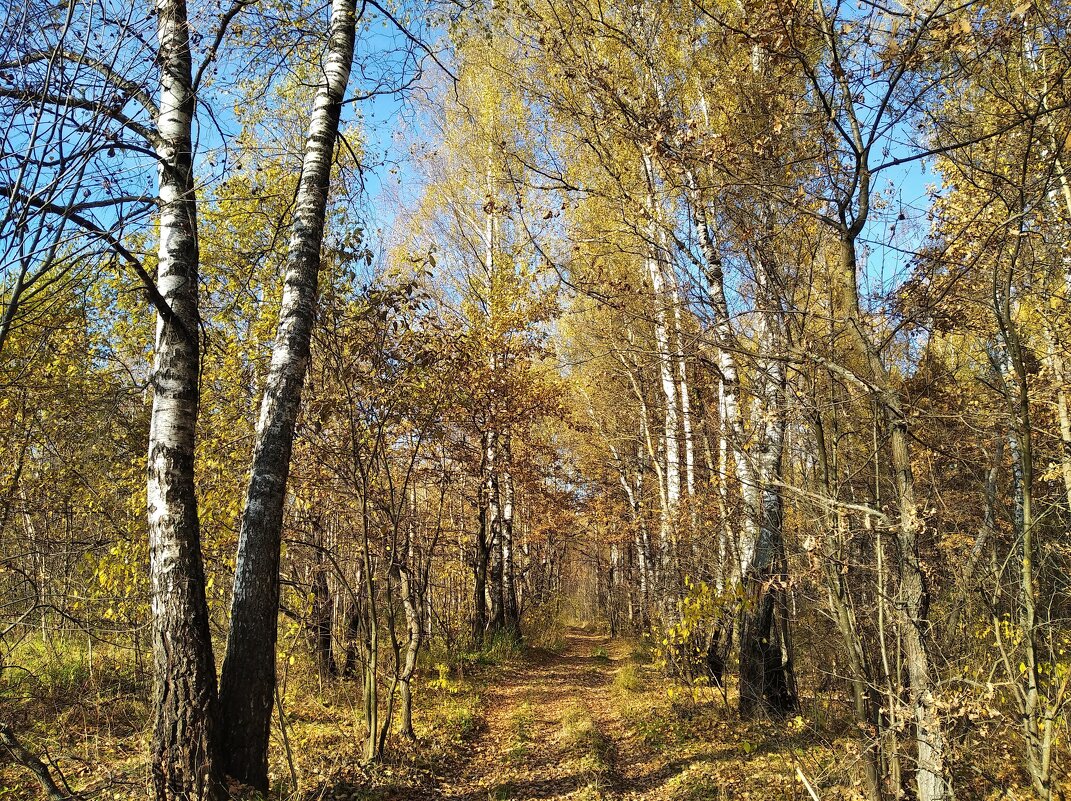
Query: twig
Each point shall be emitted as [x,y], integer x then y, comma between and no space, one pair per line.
[286,739]
[33,764]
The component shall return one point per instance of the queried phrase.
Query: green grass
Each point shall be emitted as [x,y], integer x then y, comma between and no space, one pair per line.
[456,718]
[496,650]
[521,723]
[629,679]
[593,749]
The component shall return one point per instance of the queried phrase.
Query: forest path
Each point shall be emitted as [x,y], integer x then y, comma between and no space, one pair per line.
[552,731]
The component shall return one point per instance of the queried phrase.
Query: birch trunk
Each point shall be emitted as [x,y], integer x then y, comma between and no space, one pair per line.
[494,517]
[509,588]
[729,385]
[670,444]
[414,626]
[184,763]
[767,675]
[247,684]
[726,576]
[654,567]
[767,678]
[484,536]
[685,405]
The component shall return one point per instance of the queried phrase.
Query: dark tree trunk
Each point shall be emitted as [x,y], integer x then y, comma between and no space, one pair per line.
[321,622]
[353,637]
[484,537]
[721,643]
[767,677]
[479,571]
[415,630]
[510,609]
[497,622]
[498,610]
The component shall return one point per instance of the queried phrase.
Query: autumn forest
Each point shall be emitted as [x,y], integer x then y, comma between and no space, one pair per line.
[535,399]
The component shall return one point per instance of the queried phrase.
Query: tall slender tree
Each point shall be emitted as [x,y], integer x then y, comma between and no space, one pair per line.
[247,682]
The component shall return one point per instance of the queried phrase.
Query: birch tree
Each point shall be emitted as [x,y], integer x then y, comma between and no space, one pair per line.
[247,682]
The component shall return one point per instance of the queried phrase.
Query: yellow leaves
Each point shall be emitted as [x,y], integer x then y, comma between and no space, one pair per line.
[443,683]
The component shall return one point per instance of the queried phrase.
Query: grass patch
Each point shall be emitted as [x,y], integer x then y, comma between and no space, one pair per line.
[654,722]
[455,718]
[629,679]
[600,654]
[697,782]
[589,792]
[495,650]
[521,722]
[642,651]
[547,627]
[593,749]
[550,639]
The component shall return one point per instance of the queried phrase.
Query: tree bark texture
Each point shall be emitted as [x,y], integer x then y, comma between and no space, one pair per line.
[247,684]
[183,753]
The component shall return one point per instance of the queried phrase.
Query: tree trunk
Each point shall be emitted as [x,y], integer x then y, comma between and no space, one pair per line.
[685,409]
[247,684]
[767,677]
[493,516]
[651,566]
[1035,719]
[913,594]
[322,617]
[835,566]
[483,542]
[671,447]
[766,648]
[371,642]
[414,626]
[184,764]
[509,587]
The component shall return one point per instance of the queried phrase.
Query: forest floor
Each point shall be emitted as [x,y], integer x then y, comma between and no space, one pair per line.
[576,716]
[585,721]
[550,729]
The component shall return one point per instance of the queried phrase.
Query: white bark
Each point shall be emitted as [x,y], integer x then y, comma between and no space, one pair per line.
[183,750]
[725,531]
[670,444]
[729,386]
[505,481]
[248,679]
[685,401]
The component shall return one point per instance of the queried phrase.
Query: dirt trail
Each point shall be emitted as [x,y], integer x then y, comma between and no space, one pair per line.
[551,731]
